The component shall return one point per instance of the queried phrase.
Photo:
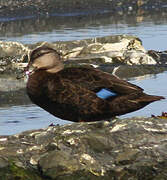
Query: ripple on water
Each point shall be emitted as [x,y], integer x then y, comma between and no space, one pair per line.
[16,119]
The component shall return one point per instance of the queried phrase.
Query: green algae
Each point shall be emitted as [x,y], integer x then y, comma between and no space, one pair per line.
[13,172]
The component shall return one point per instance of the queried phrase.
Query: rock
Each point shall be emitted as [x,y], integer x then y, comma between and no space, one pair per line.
[159,56]
[109,50]
[11,54]
[129,71]
[12,49]
[138,57]
[123,149]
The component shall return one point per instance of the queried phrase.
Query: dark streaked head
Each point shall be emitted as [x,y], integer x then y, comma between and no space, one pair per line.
[45,58]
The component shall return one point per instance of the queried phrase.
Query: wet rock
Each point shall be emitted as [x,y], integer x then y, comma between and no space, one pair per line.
[11,54]
[12,91]
[159,56]
[8,49]
[14,97]
[109,50]
[9,83]
[133,148]
[128,71]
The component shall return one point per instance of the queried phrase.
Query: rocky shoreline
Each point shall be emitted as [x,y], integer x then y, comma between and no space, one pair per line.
[123,149]
[122,55]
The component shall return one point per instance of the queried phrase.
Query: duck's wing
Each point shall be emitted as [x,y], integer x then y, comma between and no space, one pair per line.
[96,80]
[74,96]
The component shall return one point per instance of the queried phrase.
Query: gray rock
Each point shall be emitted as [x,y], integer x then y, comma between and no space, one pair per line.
[123,149]
[109,50]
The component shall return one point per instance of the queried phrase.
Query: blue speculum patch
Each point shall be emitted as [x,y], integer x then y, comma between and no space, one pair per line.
[105,93]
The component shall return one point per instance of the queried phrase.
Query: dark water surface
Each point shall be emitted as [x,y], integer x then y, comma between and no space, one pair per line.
[16,119]
[152,30]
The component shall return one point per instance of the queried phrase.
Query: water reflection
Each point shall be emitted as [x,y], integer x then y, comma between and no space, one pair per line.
[16,119]
[155,85]
[151,28]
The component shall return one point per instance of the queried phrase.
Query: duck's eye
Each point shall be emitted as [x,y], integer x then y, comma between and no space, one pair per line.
[38,55]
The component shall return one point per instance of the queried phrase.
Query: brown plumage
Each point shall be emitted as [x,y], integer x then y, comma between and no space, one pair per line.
[73,93]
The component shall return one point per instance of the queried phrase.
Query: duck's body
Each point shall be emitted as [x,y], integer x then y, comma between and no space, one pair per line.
[81,94]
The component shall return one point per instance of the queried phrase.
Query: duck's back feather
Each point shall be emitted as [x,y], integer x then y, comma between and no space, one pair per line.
[94,80]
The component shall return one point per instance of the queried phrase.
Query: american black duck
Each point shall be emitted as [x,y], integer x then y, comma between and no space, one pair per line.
[82,93]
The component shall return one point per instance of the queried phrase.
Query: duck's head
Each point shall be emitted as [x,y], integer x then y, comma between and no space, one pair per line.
[44,58]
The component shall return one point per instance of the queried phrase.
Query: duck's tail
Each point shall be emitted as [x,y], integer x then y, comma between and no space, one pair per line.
[129,103]
[145,98]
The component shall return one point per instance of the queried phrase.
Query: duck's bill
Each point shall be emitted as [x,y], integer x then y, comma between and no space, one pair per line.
[25,73]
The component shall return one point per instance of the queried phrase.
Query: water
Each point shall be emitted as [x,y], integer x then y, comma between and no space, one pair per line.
[153,85]
[152,30]
[156,40]
[16,119]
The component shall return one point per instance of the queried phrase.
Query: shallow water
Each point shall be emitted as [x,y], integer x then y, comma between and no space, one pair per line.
[150,29]
[16,119]
[153,85]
